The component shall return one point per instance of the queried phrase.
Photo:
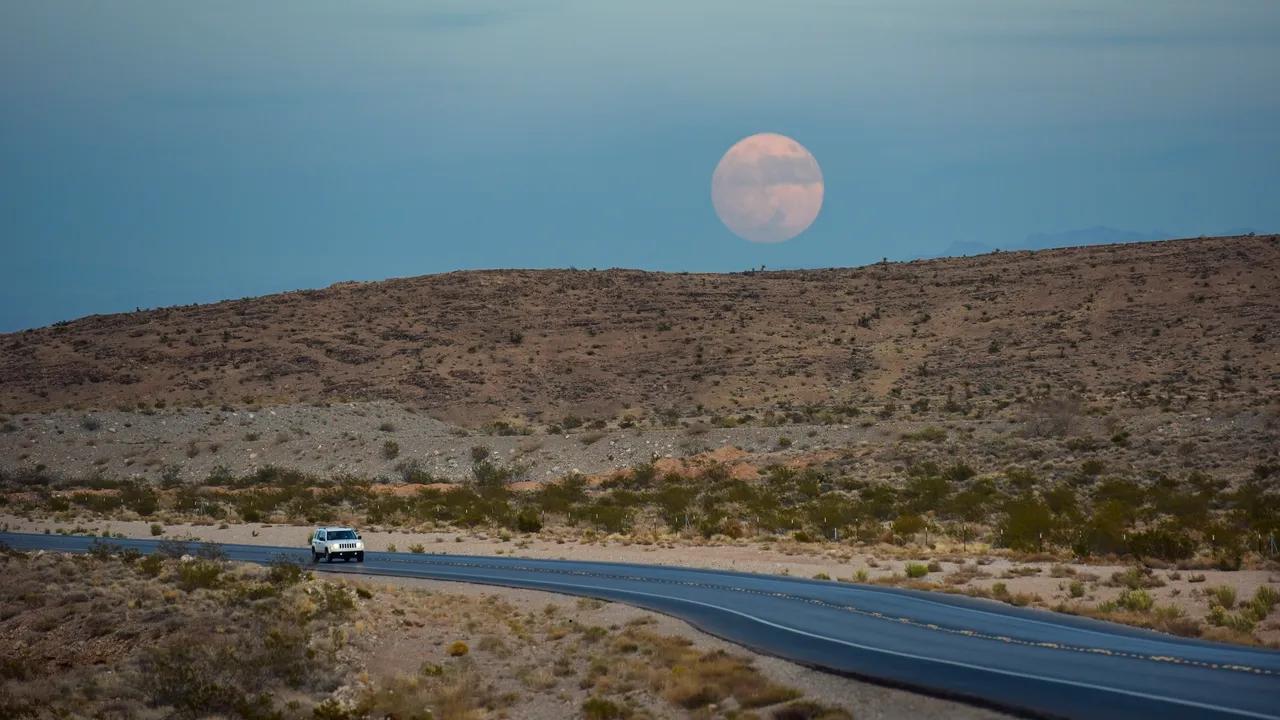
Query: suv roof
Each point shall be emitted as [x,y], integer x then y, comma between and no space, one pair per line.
[327,528]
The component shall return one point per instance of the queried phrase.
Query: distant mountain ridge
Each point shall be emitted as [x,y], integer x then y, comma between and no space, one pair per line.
[477,347]
[1080,237]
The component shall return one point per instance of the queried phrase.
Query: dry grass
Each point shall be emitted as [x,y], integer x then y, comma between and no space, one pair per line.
[247,641]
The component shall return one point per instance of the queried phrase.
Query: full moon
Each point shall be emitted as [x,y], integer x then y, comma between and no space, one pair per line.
[767,188]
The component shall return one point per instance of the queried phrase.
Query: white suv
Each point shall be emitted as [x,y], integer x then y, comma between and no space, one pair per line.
[336,542]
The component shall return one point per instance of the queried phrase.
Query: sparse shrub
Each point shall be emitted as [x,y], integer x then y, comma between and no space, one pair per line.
[90,423]
[411,471]
[1240,622]
[458,649]
[331,709]
[1257,609]
[1135,578]
[387,427]
[150,565]
[1173,620]
[1135,600]
[199,574]
[930,433]
[284,570]
[99,550]
[417,548]
[1092,468]
[1026,523]
[391,547]
[808,710]
[1000,591]
[390,449]
[528,521]
[210,550]
[907,525]
[333,601]
[1076,589]
[597,708]
[1224,596]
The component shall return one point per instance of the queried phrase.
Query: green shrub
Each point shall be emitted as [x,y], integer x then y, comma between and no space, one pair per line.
[905,526]
[99,550]
[528,521]
[926,434]
[1027,523]
[1223,595]
[597,708]
[1264,599]
[151,565]
[1135,578]
[1076,588]
[199,574]
[1135,600]
[1240,622]
[916,570]
[333,601]
[156,529]
[284,570]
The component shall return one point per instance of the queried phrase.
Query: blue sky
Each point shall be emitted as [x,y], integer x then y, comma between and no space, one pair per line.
[158,153]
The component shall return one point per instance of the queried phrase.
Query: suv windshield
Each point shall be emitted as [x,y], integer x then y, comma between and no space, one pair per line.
[341,535]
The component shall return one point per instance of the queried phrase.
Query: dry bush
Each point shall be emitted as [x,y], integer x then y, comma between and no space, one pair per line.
[456,693]
[1052,416]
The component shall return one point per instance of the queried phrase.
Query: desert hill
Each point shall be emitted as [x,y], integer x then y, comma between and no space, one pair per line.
[1165,322]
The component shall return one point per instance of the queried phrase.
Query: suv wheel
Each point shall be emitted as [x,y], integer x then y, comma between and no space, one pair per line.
[315,557]
[360,557]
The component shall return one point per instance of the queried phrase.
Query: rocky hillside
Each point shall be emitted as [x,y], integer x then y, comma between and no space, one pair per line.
[1166,323]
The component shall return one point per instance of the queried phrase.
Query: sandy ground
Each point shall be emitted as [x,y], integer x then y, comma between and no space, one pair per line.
[1046,583]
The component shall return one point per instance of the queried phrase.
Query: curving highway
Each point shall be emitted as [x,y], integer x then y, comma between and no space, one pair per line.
[1019,659]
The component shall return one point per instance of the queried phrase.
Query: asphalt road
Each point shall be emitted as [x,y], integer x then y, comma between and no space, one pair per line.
[1015,658]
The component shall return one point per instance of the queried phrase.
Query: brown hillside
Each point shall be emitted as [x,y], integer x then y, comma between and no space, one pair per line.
[1169,320]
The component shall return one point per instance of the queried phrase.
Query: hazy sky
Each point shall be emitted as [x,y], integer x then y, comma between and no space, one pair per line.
[157,153]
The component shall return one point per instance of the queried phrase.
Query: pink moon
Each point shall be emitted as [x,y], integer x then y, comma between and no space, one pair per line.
[767,188]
